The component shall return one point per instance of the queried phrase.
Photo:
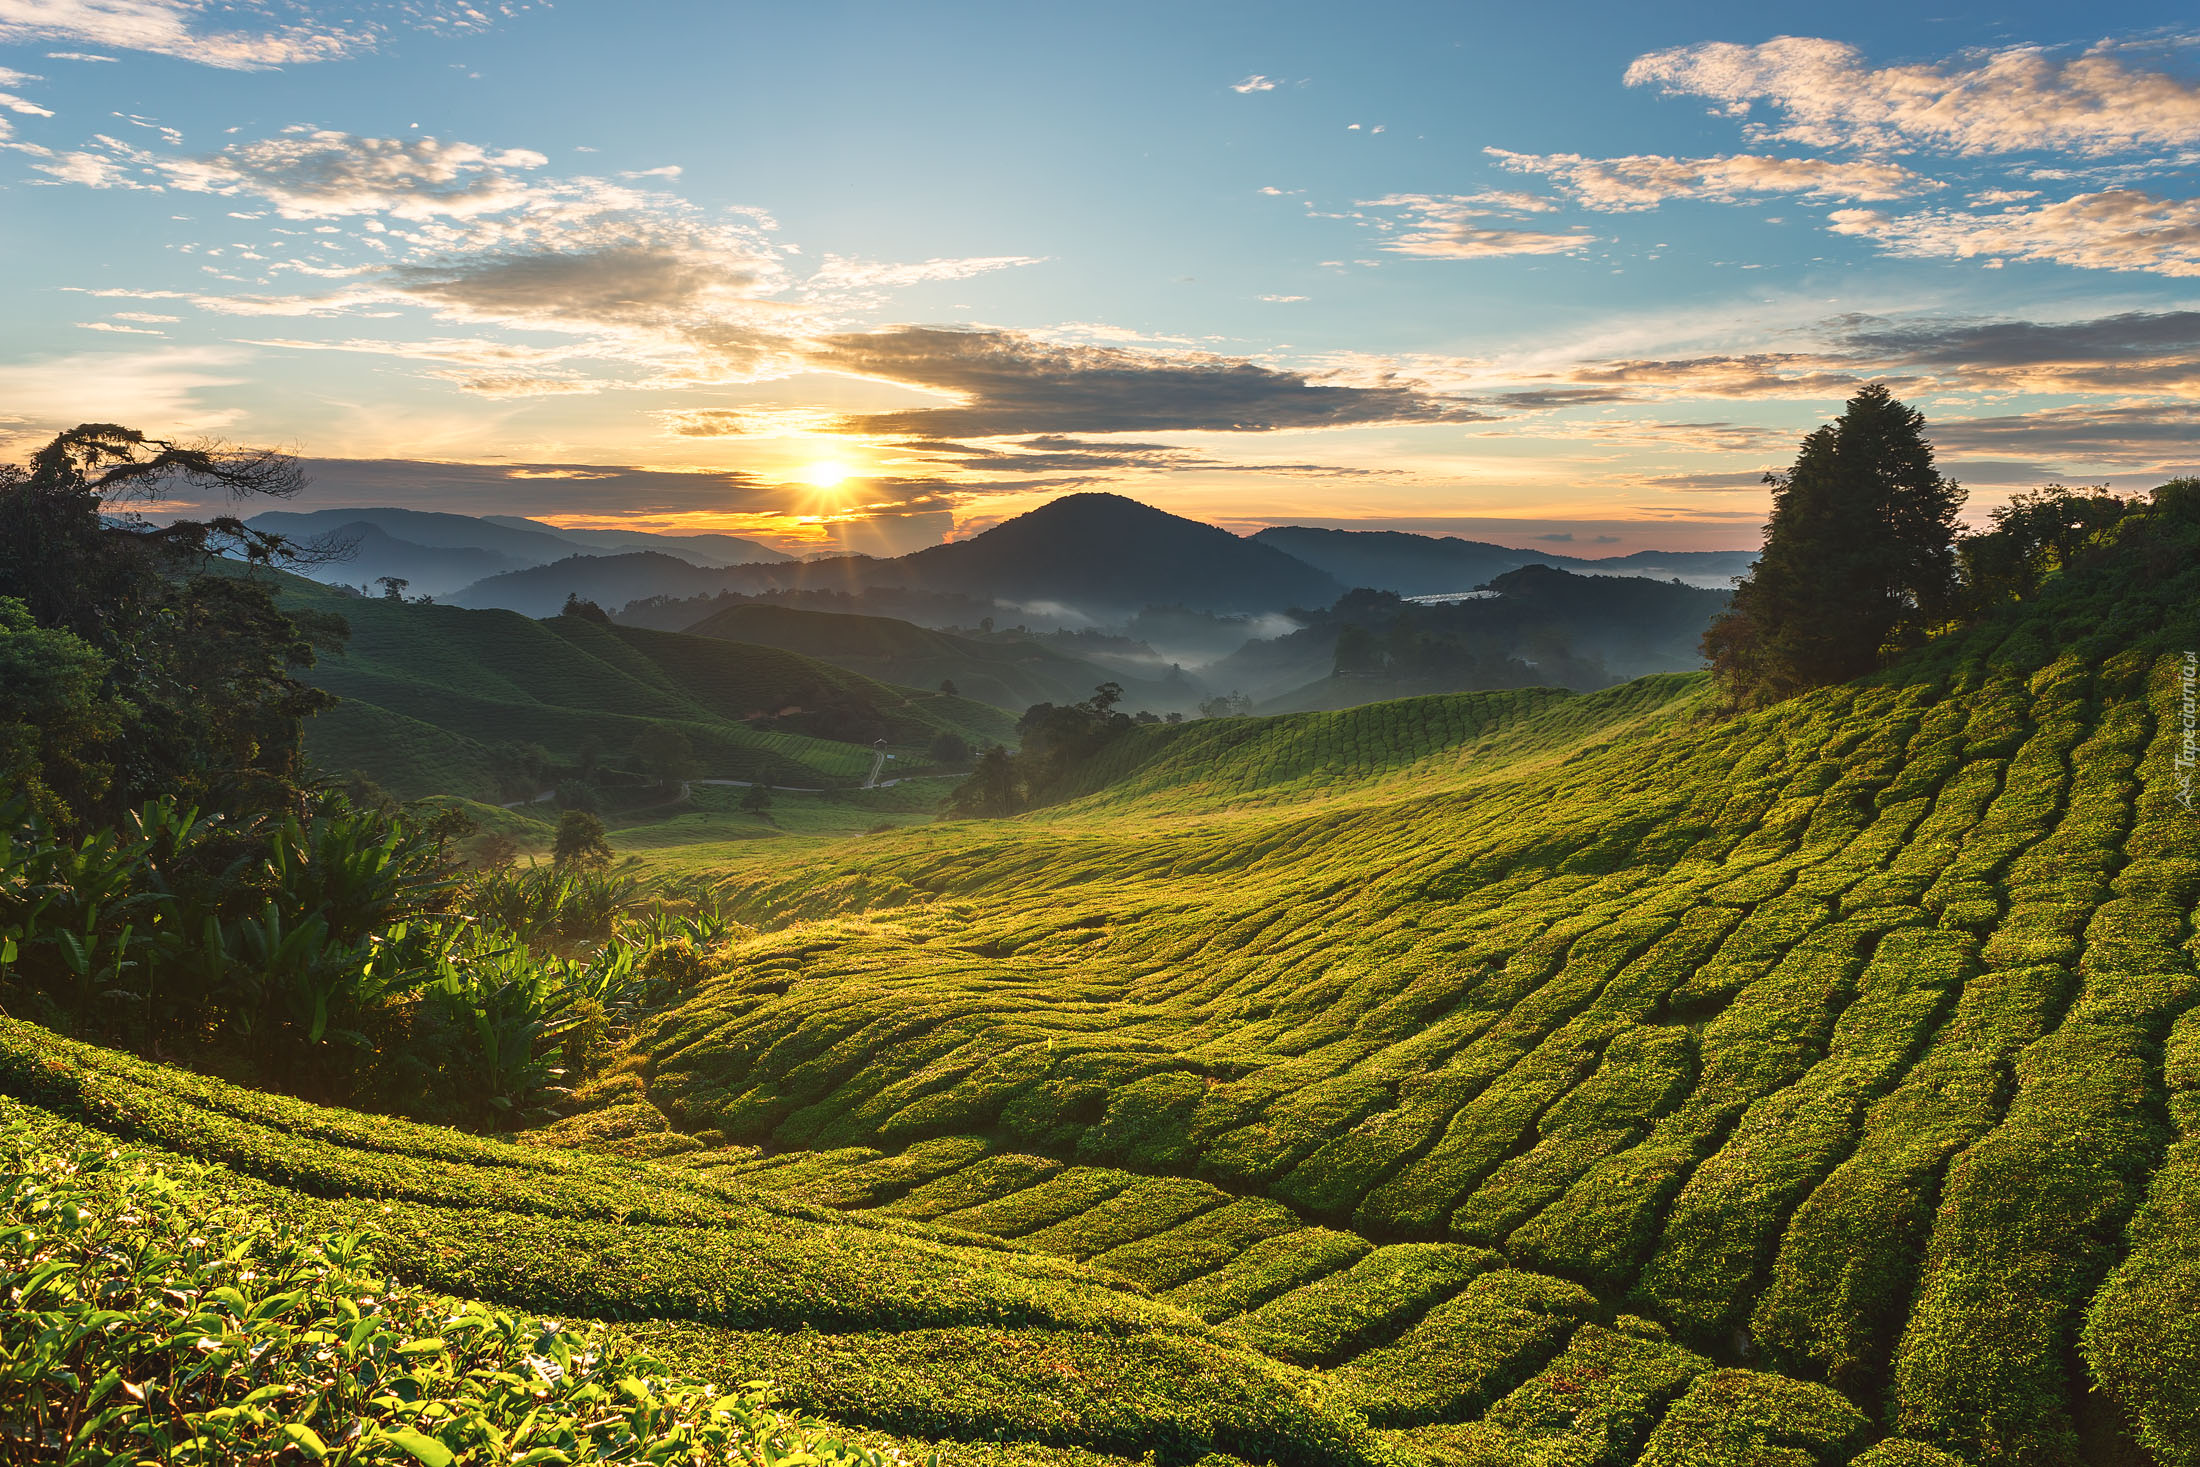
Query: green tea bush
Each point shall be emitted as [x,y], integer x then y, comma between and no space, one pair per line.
[1147,1206]
[1333,1318]
[1467,1351]
[1594,1405]
[1848,1263]
[2028,1228]
[1271,1267]
[152,1317]
[1175,1256]
[2142,1330]
[982,1181]
[1740,1418]
[1173,1398]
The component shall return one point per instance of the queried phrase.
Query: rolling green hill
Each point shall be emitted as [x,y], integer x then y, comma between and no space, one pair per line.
[428,689]
[1568,1078]
[1483,1079]
[1007,674]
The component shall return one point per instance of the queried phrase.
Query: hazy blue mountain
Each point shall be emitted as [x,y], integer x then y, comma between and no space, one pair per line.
[1436,565]
[441,553]
[714,550]
[608,580]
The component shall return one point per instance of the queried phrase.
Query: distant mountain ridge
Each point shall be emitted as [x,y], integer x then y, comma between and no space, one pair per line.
[609,580]
[1082,556]
[1436,565]
[708,550]
[440,553]
[1094,555]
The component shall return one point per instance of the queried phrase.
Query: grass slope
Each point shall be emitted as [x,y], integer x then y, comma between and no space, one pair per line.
[427,689]
[1839,1057]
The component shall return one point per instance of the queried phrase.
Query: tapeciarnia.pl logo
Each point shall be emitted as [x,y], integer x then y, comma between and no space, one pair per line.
[2188,724]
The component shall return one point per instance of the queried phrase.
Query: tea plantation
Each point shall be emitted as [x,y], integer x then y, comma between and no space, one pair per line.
[1560,1079]
[1490,1079]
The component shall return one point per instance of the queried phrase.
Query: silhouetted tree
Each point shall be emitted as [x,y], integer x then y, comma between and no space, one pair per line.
[1226,705]
[581,842]
[1359,651]
[950,749]
[947,686]
[756,799]
[393,587]
[495,851]
[2034,536]
[586,610]
[1858,561]
[195,648]
[521,769]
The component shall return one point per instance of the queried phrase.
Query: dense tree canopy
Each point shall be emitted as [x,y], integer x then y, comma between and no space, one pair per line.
[156,664]
[1859,558]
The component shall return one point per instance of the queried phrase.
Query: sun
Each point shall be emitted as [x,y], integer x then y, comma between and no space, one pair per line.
[826,473]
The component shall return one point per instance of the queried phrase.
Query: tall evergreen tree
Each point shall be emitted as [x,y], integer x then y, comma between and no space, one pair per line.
[1859,558]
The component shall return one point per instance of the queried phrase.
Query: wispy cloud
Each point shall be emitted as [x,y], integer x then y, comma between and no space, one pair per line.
[2116,229]
[486,237]
[1254,83]
[1646,180]
[11,102]
[330,175]
[1444,227]
[204,32]
[2018,99]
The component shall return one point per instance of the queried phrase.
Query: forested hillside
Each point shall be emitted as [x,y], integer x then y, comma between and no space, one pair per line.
[428,692]
[1009,674]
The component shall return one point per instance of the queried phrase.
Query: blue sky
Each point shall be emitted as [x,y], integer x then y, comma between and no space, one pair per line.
[873,274]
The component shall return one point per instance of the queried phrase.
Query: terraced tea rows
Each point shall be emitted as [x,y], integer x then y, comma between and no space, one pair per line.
[895,1320]
[1830,1039]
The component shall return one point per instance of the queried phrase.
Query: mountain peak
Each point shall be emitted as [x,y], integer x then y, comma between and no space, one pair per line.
[1105,552]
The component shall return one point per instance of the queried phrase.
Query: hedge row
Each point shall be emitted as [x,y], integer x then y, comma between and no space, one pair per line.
[1208,1242]
[1593,1406]
[1333,1318]
[1744,1418]
[1268,1269]
[1726,1223]
[1848,1264]
[1467,1351]
[2142,1332]
[2031,1223]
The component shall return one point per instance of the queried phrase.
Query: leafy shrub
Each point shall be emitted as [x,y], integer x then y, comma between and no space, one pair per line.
[1740,1418]
[1273,1266]
[1468,1350]
[1594,1404]
[150,1317]
[1330,1319]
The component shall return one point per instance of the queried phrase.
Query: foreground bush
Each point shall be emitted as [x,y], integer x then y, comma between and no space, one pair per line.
[149,1320]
